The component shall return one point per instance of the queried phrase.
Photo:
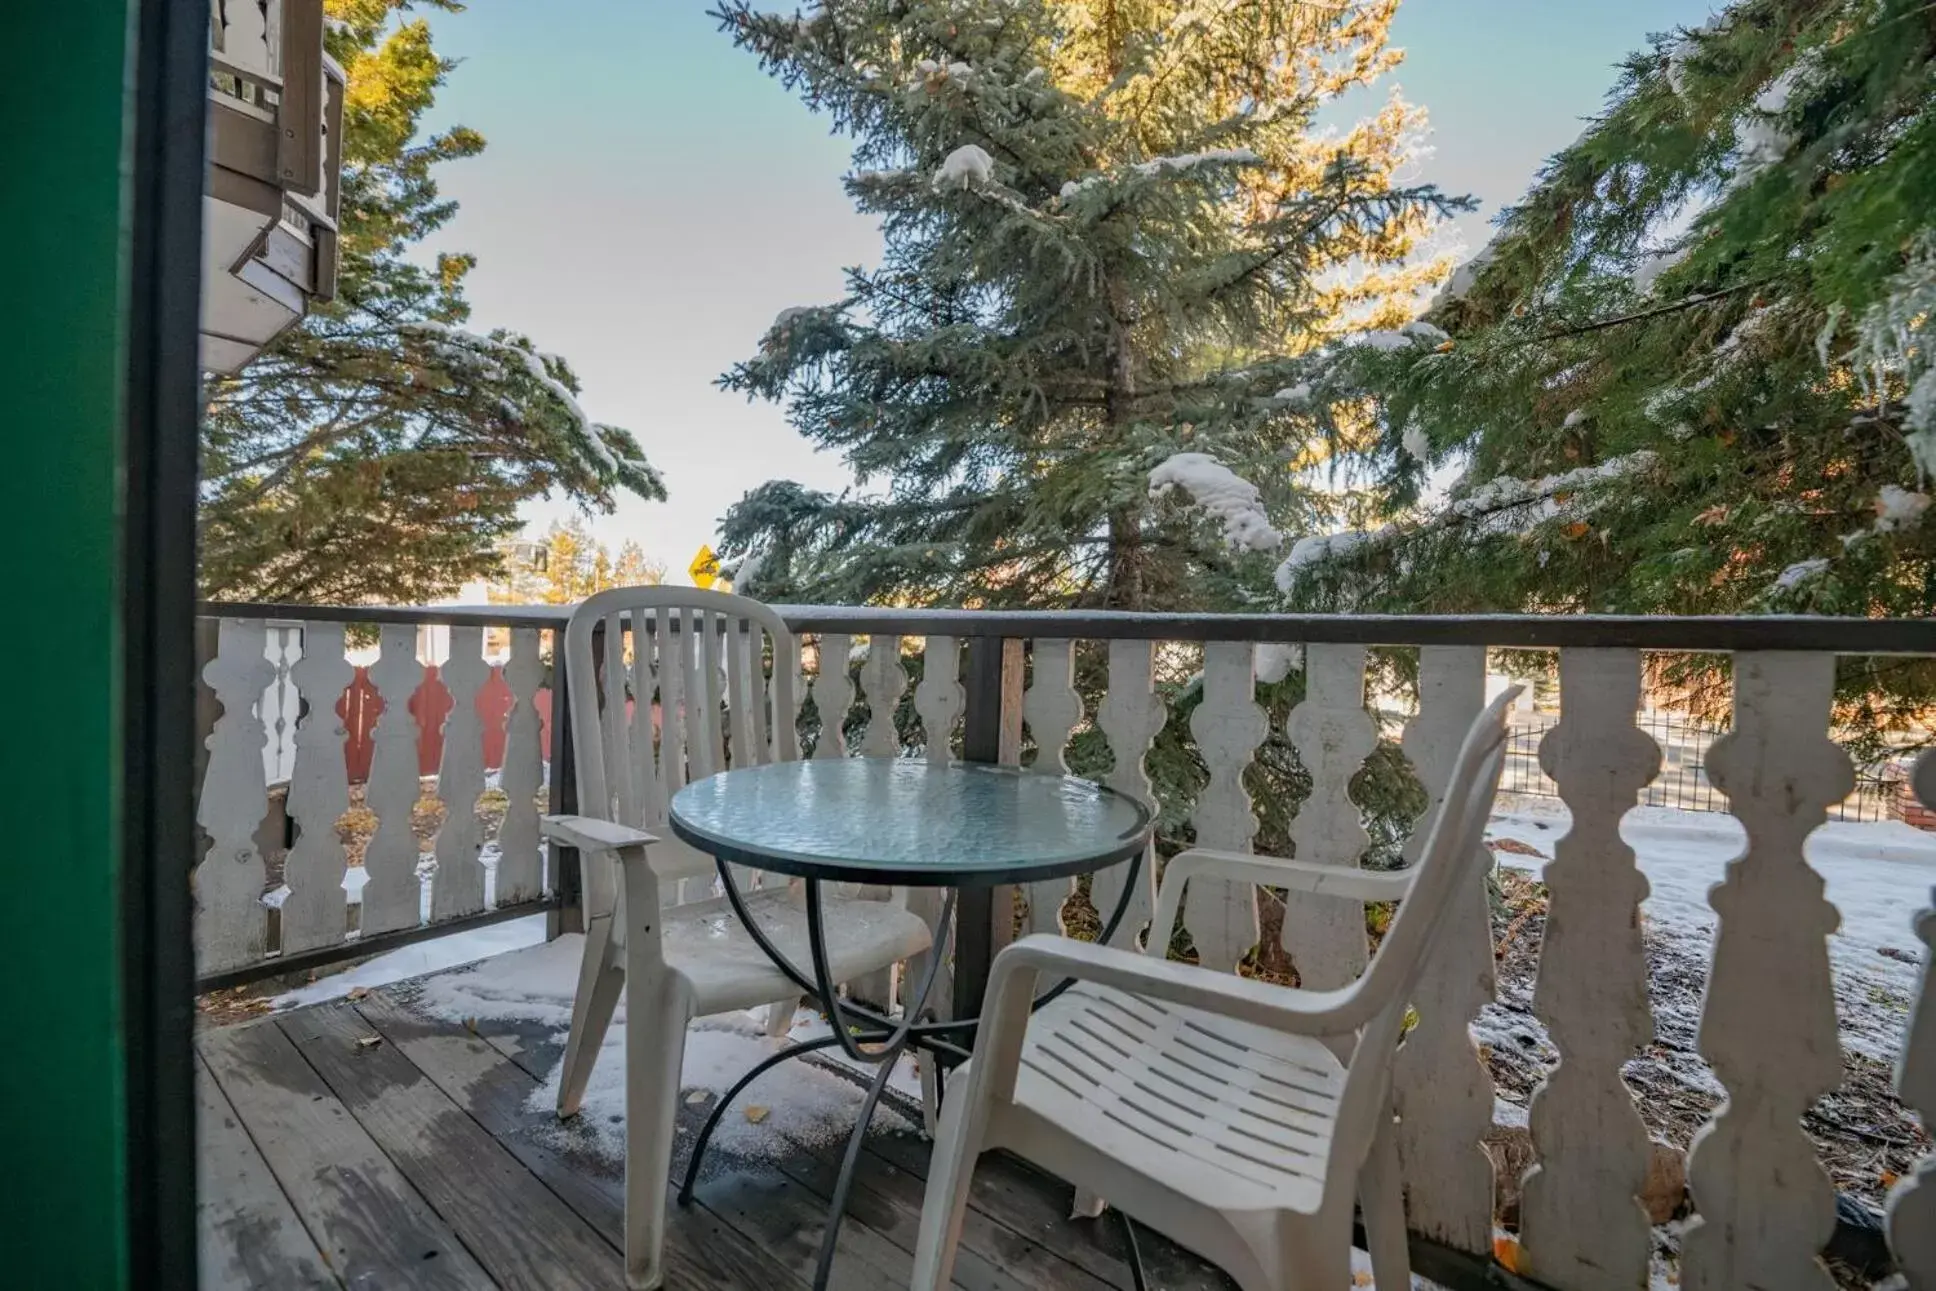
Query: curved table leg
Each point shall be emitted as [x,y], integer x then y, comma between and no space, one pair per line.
[882,1042]
[725,1100]
[887,1055]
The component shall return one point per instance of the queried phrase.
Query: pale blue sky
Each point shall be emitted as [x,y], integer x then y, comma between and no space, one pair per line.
[649,201]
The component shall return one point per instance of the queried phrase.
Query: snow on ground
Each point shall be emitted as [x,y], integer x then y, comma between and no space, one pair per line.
[425,957]
[803,1101]
[1877,874]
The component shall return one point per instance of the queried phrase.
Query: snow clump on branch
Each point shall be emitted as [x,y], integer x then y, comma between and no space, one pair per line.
[1224,494]
[965,167]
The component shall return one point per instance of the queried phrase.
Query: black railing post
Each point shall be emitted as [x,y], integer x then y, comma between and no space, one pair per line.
[567,879]
[991,732]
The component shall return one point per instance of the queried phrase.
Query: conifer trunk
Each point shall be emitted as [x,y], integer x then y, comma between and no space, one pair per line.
[1126,589]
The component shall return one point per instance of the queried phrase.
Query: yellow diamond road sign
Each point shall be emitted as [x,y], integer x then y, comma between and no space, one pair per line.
[704,568]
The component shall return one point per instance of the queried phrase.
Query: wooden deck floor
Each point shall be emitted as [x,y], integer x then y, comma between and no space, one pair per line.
[366,1144]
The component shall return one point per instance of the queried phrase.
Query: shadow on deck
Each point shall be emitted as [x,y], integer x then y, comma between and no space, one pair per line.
[367,1144]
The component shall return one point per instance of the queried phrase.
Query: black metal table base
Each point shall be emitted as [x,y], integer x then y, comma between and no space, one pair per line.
[871,1037]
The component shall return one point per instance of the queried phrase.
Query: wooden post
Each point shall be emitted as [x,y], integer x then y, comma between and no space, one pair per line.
[991,731]
[569,914]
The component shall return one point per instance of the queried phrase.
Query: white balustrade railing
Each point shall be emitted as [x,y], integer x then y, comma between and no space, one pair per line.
[1761,1204]
[291,746]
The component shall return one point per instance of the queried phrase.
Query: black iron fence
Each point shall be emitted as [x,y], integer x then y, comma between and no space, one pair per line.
[1683,782]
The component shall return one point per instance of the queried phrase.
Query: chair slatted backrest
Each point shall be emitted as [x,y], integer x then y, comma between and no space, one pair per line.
[700,661]
[1455,856]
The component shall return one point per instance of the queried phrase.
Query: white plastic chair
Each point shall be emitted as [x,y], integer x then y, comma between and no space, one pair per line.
[662,927]
[1233,1115]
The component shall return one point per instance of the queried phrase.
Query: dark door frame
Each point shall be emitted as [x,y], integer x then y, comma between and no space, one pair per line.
[162,410]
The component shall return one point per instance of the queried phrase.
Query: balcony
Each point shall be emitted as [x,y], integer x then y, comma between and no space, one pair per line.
[374,777]
[275,103]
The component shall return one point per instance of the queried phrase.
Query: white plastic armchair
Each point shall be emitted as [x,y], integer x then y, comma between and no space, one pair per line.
[1237,1117]
[654,925]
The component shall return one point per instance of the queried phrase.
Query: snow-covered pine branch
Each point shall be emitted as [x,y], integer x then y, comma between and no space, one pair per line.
[608,453]
[1225,495]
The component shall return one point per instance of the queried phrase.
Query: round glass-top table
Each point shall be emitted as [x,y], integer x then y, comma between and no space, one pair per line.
[891,822]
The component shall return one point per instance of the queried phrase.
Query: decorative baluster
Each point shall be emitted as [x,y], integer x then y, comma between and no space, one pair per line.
[672,675]
[940,700]
[615,727]
[1581,1222]
[740,671]
[833,693]
[1440,1086]
[1130,714]
[1765,1206]
[392,898]
[1051,708]
[520,865]
[882,681]
[1228,725]
[641,748]
[789,690]
[319,793]
[231,923]
[754,641]
[458,888]
[1333,735]
[1912,1202]
[281,703]
[691,660]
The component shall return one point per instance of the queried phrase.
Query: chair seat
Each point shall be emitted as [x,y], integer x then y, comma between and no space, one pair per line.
[705,943]
[1236,1116]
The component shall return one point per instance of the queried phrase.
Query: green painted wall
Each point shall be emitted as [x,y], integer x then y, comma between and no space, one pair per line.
[64,103]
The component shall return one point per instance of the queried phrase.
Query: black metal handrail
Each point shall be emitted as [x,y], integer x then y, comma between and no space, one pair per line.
[1694,633]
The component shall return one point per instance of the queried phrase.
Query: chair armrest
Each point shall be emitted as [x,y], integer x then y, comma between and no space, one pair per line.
[1285,1008]
[1270,872]
[1286,872]
[590,834]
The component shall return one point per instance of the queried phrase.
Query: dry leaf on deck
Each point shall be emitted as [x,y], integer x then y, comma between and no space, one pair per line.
[1506,1251]
[358,992]
[696,1097]
[369,1042]
[756,1113]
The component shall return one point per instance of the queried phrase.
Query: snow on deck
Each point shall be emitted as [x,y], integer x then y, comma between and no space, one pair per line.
[800,1101]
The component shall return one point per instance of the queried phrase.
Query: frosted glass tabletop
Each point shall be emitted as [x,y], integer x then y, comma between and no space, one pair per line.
[884,820]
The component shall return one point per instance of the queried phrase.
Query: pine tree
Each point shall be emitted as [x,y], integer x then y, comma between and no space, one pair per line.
[1693,371]
[1113,235]
[632,569]
[566,566]
[377,451]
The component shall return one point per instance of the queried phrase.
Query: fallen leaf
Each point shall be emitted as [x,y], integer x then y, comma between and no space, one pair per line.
[1506,1251]
[1889,1178]
[1361,1277]
[470,1025]
[696,1097]
[358,992]
[756,1112]
[369,1042]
